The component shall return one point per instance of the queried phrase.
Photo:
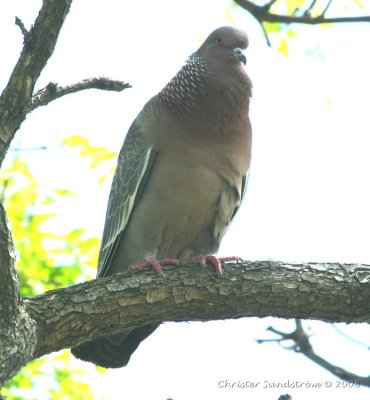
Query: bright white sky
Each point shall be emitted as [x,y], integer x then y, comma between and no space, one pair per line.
[308,197]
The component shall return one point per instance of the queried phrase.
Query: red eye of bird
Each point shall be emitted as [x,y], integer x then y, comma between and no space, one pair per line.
[220,42]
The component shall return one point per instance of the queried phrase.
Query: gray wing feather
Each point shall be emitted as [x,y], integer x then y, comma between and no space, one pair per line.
[244,189]
[134,163]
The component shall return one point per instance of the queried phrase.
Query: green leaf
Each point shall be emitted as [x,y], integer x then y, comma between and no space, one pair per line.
[47,259]
[283,47]
[359,3]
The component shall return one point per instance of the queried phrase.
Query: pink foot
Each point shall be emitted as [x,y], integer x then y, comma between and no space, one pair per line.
[151,261]
[215,261]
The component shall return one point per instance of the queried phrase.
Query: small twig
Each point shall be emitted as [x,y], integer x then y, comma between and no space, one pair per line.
[326,8]
[358,342]
[23,29]
[52,91]
[302,345]
[36,148]
[268,42]
[263,14]
[268,5]
[310,8]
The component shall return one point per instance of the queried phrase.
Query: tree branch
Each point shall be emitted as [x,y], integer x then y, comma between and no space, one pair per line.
[9,288]
[302,345]
[190,293]
[70,316]
[17,330]
[38,47]
[263,14]
[326,8]
[52,91]
[310,7]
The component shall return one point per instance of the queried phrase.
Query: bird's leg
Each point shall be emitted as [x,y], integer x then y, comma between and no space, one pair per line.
[215,261]
[151,261]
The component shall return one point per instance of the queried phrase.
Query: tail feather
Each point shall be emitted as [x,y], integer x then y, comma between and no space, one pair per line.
[113,351]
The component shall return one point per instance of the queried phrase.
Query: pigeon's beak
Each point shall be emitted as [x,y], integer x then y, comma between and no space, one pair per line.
[239,53]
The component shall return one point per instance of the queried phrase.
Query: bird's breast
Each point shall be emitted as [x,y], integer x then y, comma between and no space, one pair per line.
[184,209]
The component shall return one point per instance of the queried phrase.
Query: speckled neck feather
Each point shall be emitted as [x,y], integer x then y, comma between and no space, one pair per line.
[187,86]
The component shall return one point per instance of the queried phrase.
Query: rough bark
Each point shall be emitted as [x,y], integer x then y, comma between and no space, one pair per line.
[67,317]
[39,44]
[17,330]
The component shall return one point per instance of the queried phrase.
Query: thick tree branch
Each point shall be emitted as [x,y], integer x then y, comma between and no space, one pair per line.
[52,91]
[302,345]
[9,288]
[38,46]
[328,292]
[17,330]
[263,14]
[68,317]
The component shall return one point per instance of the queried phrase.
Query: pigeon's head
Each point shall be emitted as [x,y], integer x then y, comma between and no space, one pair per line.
[224,46]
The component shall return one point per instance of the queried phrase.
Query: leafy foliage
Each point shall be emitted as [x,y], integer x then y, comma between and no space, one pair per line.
[48,258]
[96,155]
[280,34]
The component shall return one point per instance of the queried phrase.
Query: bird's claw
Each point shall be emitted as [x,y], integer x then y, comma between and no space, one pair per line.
[215,261]
[151,261]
